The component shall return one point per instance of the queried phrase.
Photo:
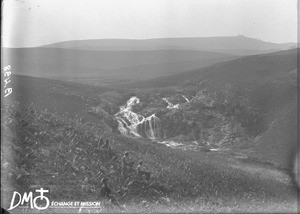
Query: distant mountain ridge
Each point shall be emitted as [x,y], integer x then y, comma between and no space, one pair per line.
[235,44]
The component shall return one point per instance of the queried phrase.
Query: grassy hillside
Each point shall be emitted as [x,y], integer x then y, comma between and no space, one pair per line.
[53,95]
[278,144]
[41,149]
[51,131]
[261,86]
[246,70]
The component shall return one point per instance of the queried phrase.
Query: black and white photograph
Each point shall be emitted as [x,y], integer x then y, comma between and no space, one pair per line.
[149,106]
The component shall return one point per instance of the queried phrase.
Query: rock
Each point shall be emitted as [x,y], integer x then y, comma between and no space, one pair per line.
[138,107]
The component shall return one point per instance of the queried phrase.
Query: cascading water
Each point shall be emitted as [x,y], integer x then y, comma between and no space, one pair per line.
[132,124]
[170,105]
[186,99]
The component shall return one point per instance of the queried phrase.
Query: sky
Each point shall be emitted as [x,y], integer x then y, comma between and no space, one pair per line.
[29,23]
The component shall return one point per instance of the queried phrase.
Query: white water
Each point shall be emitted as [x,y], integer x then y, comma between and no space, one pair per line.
[132,124]
[175,106]
[186,99]
[170,105]
[183,146]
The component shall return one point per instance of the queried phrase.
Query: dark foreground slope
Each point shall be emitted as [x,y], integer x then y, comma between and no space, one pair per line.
[61,157]
[56,150]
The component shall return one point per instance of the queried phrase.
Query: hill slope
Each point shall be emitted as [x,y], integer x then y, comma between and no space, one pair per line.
[100,65]
[53,95]
[278,144]
[57,151]
[256,90]
[244,70]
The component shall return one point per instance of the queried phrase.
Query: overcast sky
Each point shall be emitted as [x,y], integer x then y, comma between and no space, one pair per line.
[37,22]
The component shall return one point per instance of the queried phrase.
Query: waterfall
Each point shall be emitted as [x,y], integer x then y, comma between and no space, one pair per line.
[131,124]
[150,127]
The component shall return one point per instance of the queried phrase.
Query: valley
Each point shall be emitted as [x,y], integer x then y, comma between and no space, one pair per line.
[218,133]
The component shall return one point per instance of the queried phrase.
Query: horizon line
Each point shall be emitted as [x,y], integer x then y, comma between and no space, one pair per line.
[151,38]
